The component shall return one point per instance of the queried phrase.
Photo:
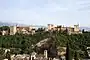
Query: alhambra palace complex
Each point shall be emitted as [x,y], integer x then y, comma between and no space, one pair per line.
[50,27]
[33,30]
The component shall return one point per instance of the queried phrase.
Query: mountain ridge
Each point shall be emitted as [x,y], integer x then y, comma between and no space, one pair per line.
[18,24]
[14,24]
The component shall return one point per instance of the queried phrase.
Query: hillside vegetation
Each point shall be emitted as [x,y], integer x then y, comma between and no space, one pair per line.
[23,43]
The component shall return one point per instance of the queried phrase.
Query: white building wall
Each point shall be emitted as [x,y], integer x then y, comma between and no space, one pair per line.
[45,53]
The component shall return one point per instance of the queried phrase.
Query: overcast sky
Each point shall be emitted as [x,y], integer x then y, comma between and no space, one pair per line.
[42,12]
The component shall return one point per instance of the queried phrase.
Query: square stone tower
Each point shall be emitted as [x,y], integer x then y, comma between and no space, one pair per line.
[76,28]
[13,30]
[51,26]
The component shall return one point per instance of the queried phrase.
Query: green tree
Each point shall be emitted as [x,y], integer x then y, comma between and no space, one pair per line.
[68,53]
[83,31]
[4,28]
[76,57]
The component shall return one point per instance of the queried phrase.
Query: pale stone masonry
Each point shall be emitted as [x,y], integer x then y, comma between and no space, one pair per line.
[50,27]
[20,57]
[21,29]
[70,30]
[13,30]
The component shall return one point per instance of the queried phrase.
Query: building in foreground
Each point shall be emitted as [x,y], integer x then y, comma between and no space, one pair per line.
[20,57]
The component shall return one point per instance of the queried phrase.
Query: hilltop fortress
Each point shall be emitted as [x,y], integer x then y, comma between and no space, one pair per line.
[50,27]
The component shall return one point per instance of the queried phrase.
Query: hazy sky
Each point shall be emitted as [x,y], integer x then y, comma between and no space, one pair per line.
[42,12]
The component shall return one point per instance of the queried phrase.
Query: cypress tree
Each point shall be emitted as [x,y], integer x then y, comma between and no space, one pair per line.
[68,53]
[86,54]
[76,56]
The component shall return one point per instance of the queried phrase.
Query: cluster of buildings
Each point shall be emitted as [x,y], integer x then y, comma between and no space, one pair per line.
[34,56]
[19,29]
[61,51]
[70,30]
[50,27]
[22,30]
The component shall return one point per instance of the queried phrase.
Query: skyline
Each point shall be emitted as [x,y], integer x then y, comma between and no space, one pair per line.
[42,12]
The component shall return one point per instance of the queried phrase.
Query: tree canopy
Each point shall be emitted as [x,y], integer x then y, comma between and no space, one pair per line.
[20,43]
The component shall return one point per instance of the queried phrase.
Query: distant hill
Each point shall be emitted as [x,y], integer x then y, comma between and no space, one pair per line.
[85,28]
[7,24]
[14,24]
